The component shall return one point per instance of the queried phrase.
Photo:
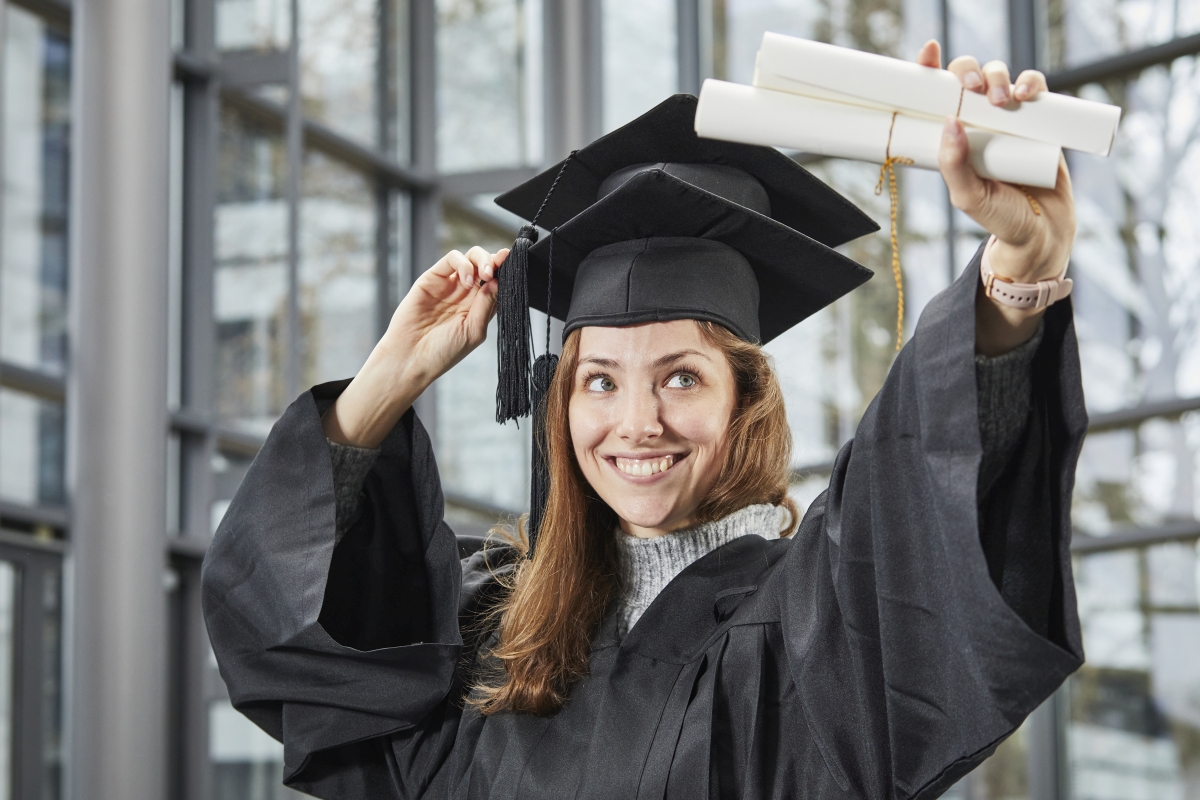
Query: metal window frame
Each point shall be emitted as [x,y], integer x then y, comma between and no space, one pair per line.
[210,79]
[32,558]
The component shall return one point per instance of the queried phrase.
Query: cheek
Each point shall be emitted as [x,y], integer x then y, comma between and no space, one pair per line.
[706,425]
[588,427]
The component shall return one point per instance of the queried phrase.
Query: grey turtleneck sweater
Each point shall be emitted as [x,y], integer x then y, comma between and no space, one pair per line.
[647,565]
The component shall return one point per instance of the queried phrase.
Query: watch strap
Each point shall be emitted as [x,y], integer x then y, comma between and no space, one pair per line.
[1021,295]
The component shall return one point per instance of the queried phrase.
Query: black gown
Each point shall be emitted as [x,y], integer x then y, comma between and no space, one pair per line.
[882,651]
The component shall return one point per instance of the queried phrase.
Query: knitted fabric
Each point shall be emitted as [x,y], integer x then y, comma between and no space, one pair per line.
[648,565]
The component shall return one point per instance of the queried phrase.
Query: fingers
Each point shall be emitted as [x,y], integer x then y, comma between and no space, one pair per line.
[1029,84]
[968,191]
[999,87]
[968,71]
[463,268]
[930,55]
[482,261]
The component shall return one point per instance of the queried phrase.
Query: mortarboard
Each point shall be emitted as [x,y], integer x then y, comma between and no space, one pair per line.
[657,247]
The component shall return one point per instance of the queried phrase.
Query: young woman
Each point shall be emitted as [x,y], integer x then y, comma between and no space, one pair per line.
[679,631]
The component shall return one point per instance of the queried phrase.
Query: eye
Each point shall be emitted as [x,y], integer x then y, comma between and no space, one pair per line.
[601,383]
[681,380]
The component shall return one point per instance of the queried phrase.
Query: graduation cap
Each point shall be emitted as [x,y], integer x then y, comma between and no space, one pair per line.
[652,223]
[666,134]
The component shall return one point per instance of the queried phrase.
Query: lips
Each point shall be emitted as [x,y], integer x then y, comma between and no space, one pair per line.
[645,467]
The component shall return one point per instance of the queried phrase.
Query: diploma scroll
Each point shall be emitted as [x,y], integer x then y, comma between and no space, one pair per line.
[752,115]
[825,71]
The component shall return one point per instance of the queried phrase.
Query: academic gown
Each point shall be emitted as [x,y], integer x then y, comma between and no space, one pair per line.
[882,651]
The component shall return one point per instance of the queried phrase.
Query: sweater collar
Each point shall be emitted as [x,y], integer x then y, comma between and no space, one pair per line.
[648,565]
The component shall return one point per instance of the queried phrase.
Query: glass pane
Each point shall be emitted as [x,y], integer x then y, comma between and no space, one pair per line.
[976,29]
[33,228]
[250,284]
[52,688]
[339,282]
[31,449]
[1088,30]
[489,83]
[1139,477]
[641,63]
[247,764]
[893,29]
[253,24]
[477,457]
[339,64]
[1134,729]
[8,650]
[1136,272]
[228,470]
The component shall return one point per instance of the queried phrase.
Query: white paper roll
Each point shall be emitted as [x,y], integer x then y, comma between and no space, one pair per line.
[751,115]
[786,63]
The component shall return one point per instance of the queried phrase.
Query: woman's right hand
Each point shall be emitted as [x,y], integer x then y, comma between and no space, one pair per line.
[443,317]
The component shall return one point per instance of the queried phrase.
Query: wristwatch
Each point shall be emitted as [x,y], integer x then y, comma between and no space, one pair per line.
[1008,292]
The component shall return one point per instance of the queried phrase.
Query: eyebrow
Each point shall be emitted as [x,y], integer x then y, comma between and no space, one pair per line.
[670,358]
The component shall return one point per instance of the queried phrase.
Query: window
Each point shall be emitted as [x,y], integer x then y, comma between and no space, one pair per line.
[35,64]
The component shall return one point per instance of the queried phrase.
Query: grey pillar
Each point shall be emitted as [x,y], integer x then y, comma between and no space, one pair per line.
[117,399]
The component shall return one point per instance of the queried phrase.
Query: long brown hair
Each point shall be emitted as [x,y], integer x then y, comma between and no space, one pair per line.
[557,600]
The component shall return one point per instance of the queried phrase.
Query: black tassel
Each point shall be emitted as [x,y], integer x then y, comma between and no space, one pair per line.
[515,336]
[539,494]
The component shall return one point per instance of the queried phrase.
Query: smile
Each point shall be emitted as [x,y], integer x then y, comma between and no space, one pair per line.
[645,467]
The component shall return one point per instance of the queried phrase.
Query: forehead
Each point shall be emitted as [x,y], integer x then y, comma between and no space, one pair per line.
[646,343]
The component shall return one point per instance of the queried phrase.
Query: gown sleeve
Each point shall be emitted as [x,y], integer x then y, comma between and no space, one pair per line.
[923,620]
[334,646]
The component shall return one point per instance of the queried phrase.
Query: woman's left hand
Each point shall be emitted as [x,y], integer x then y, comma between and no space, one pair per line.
[1029,246]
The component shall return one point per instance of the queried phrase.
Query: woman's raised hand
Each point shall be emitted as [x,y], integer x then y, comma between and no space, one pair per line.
[1030,246]
[443,317]
[445,314]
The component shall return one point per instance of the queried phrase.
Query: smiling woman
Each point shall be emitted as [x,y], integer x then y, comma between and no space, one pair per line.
[664,624]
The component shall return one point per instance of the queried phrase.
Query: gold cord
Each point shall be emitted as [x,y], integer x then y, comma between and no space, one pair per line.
[888,170]
[1037,209]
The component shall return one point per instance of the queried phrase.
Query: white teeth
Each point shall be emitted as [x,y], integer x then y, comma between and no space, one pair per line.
[642,469]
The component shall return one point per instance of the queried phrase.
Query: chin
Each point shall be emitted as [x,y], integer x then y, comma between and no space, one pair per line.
[647,513]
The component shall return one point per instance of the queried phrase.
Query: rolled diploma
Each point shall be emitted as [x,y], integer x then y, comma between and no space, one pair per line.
[738,113]
[826,71]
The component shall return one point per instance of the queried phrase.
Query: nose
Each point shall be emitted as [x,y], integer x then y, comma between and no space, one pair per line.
[640,421]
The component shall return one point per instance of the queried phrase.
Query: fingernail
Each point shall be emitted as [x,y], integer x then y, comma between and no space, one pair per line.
[998,94]
[487,272]
[972,80]
[1022,92]
[949,128]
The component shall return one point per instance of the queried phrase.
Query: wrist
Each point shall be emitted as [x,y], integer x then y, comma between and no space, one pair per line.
[380,394]
[1037,260]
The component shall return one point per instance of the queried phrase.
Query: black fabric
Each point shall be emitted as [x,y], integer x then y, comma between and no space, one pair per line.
[797,276]
[659,279]
[730,183]
[666,133]
[869,656]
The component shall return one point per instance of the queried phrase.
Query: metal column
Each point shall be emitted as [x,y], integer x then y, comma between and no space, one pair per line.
[117,385]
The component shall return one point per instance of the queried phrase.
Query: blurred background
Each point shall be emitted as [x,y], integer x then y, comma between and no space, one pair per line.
[310,155]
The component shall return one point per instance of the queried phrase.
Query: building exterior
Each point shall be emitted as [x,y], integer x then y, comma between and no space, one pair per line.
[210,205]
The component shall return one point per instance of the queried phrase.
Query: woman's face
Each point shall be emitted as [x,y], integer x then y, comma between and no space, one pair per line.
[650,412]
